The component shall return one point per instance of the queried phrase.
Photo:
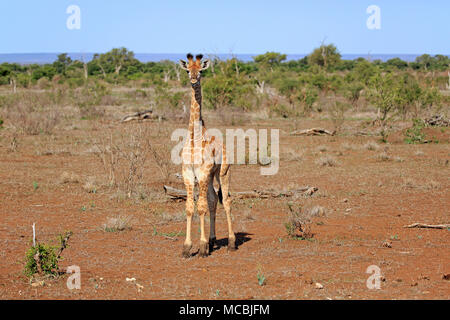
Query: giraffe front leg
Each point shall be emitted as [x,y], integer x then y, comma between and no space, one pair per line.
[189,213]
[202,207]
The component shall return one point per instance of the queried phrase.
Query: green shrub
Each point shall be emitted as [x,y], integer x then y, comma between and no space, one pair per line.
[47,255]
[414,135]
[48,259]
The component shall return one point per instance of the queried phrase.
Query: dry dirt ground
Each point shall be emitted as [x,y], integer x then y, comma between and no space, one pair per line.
[368,197]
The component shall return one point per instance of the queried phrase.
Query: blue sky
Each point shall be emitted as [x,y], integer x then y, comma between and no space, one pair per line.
[237,26]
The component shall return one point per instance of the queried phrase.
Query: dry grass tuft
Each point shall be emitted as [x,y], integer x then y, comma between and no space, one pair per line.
[67,177]
[326,161]
[383,156]
[299,222]
[409,183]
[372,146]
[433,185]
[348,146]
[91,185]
[419,153]
[119,223]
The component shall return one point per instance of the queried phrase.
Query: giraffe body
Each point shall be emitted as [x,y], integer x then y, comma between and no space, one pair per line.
[204,159]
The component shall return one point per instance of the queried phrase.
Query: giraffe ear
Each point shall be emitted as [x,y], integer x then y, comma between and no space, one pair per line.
[183,65]
[205,64]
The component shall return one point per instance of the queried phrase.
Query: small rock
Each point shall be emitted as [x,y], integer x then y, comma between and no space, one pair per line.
[415,284]
[345,200]
[348,210]
[446,276]
[130,279]
[319,285]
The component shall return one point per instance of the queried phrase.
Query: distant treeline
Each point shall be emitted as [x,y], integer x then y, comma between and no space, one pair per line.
[319,82]
[119,65]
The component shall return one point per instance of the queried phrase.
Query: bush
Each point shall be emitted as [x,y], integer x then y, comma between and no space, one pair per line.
[44,258]
[299,222]
[414,135]
[48,258]
[30,113]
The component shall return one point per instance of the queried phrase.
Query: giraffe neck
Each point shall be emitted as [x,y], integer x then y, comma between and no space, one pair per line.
[196,111]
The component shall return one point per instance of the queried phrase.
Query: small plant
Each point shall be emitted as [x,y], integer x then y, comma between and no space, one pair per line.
[383,156]
[298,225]
[372,146]
[35,185]
[414,135]
[43,258]
[119,223]
[261,278]
[326,161]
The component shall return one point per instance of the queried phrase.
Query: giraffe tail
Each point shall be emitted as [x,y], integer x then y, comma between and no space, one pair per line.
[219,193]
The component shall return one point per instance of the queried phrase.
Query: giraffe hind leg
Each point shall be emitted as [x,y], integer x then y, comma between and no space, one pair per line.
[225,183]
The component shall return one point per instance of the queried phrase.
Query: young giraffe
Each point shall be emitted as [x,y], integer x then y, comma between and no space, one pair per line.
[204,158]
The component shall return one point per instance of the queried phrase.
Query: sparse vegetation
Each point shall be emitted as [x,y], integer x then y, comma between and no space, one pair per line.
[415,134]
[326,161]
[299,221]
[118,223]
[43,258]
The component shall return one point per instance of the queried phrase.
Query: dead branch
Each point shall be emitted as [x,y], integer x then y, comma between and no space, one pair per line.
[143,115]
[313,132]
[177,194]
[430,226]
[438,121]
[64,243]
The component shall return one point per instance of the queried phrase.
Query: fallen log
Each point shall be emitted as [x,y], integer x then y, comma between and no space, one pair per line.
[430,226]
[143,115]
[177,194]
[313,132]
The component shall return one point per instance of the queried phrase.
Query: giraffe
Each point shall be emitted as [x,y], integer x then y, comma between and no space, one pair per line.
[204,158]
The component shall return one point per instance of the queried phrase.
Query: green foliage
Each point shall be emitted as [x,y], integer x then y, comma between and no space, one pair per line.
[47,257]
[261,278]
[222,91]
[270,59]
[325,56]
[383,93]
[415,135]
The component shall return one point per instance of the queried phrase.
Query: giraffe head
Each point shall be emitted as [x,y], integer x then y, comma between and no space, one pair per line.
[195,67]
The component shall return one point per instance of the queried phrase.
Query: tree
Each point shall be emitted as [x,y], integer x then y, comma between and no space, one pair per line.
[62,63]
[269,59]
[114,60]
[325,56]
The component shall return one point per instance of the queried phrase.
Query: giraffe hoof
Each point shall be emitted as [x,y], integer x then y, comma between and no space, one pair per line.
[232,244]
[212,242]
[204,249]
[186,254]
